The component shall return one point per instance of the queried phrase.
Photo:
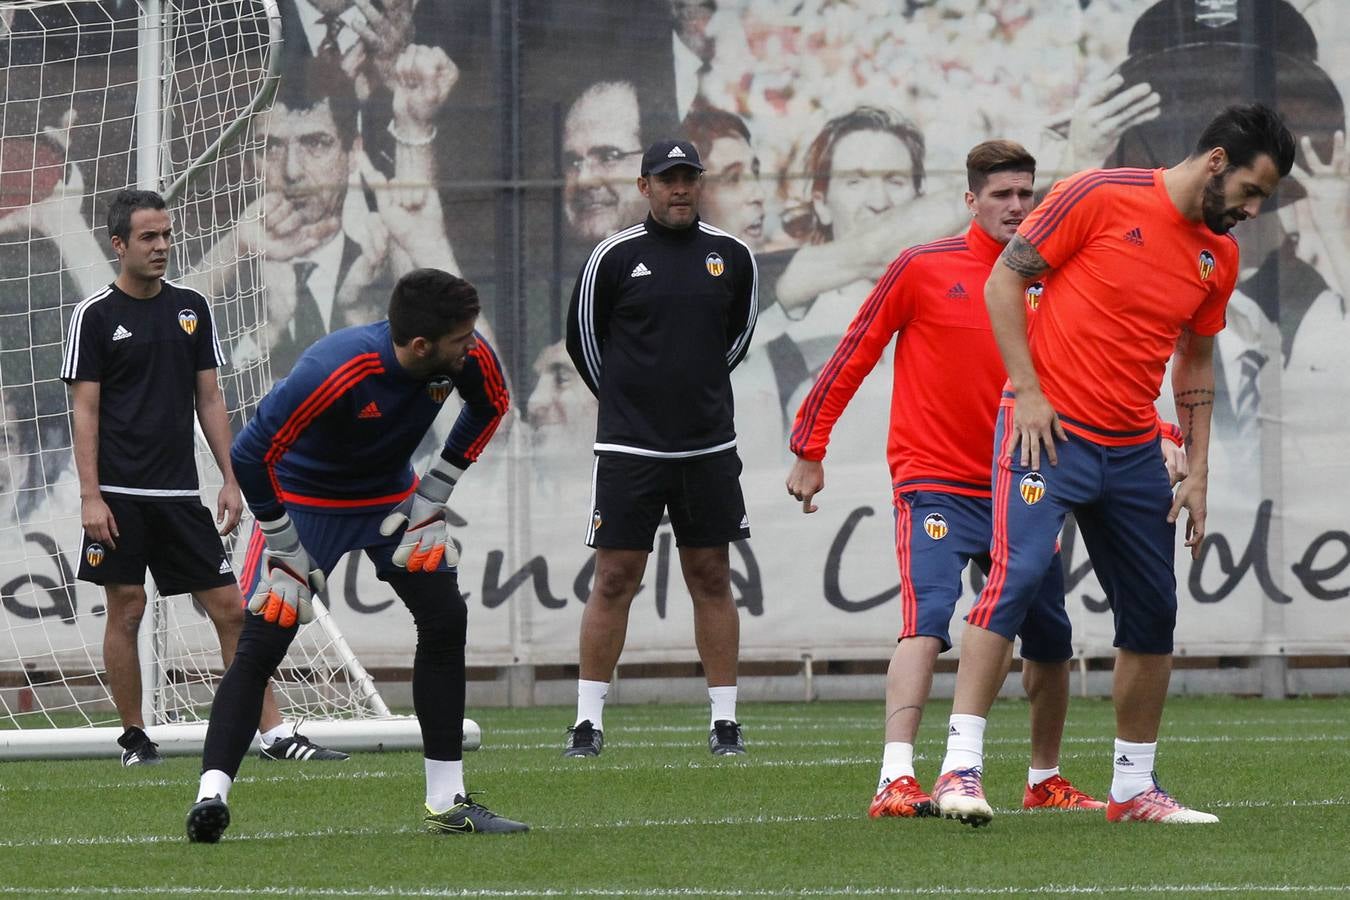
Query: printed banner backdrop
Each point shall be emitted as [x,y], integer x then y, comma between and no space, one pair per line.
[500,140]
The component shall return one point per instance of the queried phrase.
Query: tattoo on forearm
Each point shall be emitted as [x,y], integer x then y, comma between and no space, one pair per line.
[1188,403]
[1023,258]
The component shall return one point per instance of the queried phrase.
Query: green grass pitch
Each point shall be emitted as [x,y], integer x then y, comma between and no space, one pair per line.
[656,816]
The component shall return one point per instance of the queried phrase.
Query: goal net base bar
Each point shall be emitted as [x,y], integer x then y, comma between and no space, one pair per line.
[349,735]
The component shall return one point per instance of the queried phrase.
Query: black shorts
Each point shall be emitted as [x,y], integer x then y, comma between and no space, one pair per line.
[702,493]
[177,540]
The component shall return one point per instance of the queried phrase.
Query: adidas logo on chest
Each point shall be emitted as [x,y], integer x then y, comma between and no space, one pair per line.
[640,270]
[120,334]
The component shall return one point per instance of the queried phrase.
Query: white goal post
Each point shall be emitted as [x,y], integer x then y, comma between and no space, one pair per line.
[100,95]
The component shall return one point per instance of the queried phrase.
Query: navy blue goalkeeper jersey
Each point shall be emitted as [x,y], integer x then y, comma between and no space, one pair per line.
[338,433]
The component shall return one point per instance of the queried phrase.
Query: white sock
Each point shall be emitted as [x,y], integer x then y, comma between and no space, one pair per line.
[965,743]
[1036,776]
[272,735]
[723,701]
[591,702]
[445,780]
[897,761]
[1132,767]
[213,782]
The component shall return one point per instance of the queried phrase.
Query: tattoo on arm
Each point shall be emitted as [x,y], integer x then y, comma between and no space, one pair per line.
[1023,258]
[1188,403]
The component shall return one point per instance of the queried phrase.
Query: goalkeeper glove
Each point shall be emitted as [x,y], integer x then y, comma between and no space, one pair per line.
[289,577]
[425,540]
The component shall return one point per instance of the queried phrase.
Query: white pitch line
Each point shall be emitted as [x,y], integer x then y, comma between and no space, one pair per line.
[989,742]
[589,825]
[557,766]
[868,723]
[841,891]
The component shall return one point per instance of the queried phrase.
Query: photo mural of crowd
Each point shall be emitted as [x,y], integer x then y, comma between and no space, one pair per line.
[413,133]
[833,133]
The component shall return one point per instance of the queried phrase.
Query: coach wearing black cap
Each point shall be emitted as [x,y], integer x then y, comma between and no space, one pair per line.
[661,313]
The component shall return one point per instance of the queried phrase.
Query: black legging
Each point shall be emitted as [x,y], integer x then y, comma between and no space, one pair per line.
[441,618]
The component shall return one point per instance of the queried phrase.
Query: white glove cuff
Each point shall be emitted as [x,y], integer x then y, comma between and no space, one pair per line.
[280,534]
[439,480]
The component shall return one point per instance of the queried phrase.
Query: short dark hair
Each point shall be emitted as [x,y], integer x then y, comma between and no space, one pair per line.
[986,158]
[705,124]
[318,80]
[430,303]
[1246,132]
[124,204]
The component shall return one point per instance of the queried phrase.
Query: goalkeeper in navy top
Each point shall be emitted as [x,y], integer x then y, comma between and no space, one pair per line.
[660,315]
[141,361]
[325,468]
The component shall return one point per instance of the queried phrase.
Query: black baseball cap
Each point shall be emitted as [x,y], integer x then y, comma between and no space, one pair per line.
[665,155]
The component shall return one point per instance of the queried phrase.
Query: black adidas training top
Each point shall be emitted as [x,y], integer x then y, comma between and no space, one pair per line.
[659,318]
[145,355]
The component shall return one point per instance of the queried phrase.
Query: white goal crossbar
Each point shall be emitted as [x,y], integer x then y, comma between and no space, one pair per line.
[186,739]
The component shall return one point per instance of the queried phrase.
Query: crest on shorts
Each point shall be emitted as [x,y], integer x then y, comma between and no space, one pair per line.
[595,520]
[1032,487]
[935,526]
[1034,291]
[438,388]
[94,555]
[1206,265]
[714,264]
[187,320]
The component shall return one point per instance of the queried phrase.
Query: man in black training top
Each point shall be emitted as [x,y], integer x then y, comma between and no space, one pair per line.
[660,315]
[141,361]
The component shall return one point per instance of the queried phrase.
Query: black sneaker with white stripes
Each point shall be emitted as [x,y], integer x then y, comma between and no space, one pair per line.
[138,749]
[297,746]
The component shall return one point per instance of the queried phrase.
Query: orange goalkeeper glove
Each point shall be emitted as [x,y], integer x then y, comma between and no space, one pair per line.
[425,539]
[285,591]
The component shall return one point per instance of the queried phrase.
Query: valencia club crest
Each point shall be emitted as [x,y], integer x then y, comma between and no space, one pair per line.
[1206,265]
[935,526]
[1032,488]
[438,389]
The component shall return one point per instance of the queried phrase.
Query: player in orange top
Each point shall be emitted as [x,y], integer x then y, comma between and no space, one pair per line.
[945,384]
[1135,263]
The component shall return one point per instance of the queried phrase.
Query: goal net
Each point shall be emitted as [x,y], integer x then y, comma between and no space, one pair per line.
[100,95]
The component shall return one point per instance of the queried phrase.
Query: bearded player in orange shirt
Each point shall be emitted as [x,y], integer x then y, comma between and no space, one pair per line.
[944,399]
[1137,264]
